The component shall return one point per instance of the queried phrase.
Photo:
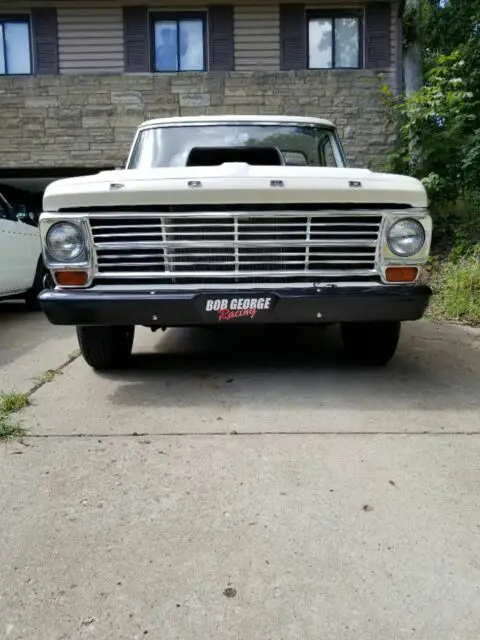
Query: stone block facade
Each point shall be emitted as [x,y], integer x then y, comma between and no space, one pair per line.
[89,120]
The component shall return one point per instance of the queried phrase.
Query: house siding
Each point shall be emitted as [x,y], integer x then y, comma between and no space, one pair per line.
[90,33]
[90,38]
[86,115]
[257,37]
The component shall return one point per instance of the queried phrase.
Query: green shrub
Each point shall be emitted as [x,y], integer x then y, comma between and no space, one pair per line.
[438,138]
[456,286]
[456,225]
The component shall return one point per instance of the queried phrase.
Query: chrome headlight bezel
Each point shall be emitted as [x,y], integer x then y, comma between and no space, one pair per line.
[84,260]
[386,257]
[69,228]
[421,235]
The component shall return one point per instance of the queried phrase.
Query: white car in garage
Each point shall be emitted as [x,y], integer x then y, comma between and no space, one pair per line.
[21,264]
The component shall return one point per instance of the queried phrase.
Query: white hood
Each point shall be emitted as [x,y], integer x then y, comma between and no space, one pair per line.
[234,184]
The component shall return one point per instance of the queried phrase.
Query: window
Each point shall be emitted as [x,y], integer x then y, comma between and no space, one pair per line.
[178,42]
[326,151]
[171,146]
[334,41]
[15,52]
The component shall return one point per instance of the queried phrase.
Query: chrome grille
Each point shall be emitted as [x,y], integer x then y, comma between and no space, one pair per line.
[236,247]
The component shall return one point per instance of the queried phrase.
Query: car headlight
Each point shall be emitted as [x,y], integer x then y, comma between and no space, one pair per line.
[406,237]
[65,242]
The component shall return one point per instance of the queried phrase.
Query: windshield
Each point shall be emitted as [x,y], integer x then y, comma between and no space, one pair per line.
[171,146]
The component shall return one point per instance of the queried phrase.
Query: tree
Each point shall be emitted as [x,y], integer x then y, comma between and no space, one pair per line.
[412,46]
[439,118]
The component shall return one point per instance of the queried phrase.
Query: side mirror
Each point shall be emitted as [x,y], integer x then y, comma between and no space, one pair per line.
[27,217]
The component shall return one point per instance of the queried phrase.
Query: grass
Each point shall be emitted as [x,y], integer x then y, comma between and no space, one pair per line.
[456,286]
[10,430]
[48,376]
[11,403]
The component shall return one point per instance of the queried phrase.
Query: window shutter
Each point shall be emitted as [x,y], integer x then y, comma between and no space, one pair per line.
[45,41]
[135,27]
[293,37]
[220,38]
[378,35]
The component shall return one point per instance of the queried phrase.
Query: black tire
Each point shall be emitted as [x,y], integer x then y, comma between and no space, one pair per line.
[31,296]
[370,343]
[106,348]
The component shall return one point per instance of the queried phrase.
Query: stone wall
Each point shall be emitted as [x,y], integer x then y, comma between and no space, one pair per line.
[89,121]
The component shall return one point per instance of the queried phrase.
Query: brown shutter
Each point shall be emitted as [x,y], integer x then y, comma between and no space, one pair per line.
[45,41]
[293,37]
[378,35]
[135,27]
[220,38]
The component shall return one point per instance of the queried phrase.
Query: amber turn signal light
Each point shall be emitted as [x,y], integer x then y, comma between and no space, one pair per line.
[401,274]
[71,278]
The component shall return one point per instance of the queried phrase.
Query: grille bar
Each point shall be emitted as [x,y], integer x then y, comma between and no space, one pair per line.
[193,225]
[247,274]
[220,244]
[235,247]
[149,256]
[173,263]
[248,234]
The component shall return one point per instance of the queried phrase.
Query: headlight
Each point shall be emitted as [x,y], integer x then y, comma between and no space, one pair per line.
[65,242]
[406,237]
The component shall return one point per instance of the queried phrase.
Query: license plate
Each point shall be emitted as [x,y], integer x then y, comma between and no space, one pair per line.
[237,308]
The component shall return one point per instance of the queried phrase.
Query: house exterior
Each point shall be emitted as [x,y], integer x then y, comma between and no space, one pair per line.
[78,76]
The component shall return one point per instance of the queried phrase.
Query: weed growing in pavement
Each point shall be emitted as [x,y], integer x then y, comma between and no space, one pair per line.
[11,403]
[48,376]
[10,430]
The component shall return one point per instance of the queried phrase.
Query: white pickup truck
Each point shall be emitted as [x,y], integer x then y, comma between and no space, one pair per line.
[236,219]
[21,265]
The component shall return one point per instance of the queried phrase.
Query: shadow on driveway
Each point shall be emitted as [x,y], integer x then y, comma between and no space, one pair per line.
[436,367]
[20,330]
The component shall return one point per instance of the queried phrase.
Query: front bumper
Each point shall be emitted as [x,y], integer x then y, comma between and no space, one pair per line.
[276,306]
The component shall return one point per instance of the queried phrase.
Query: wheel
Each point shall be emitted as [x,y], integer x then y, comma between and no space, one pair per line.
[106,347]
[31,296]
[370,343]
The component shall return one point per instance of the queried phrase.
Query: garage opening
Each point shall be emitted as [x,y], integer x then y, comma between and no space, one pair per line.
[23,188]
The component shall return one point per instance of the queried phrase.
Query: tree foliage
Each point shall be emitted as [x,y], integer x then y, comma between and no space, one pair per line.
[441,121]
[439,142]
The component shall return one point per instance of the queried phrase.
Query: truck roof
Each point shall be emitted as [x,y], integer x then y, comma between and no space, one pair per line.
[237,118]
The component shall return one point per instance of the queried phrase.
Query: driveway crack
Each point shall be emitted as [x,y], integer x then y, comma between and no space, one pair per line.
[218,434]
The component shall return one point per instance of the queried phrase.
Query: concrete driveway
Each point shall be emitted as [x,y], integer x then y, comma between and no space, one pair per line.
[243,486]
